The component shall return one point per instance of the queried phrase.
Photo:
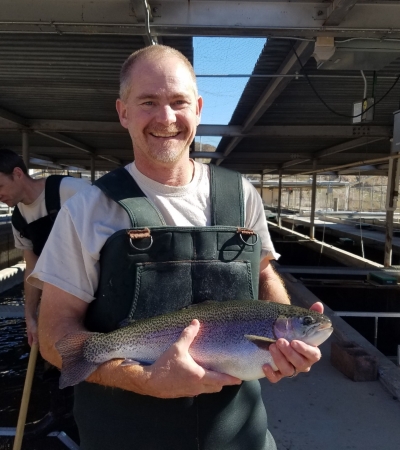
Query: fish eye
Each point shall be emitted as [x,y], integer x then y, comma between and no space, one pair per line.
[308,320]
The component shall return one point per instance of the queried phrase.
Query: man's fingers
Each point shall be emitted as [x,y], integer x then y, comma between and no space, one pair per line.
[188,334]
[213,378]
[317,307]
[295,355]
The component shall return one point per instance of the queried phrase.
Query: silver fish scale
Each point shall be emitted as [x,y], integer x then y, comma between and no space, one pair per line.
[220,339]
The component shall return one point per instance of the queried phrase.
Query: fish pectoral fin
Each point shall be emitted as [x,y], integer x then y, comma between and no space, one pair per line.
[134,362]
[262,342]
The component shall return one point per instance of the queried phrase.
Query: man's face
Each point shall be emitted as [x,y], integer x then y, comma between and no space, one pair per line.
[162,110]
[10,190]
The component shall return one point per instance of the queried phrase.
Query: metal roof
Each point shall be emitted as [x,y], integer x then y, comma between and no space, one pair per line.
[297,105]
[60,62]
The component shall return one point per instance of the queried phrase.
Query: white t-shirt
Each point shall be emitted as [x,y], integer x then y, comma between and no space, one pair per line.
[69,186]
[70,258]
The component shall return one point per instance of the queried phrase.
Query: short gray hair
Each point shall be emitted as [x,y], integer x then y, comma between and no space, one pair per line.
[150,53]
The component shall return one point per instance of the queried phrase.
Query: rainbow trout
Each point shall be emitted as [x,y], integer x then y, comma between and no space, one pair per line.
[234,338]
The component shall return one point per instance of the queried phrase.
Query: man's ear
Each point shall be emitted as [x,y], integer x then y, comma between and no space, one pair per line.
[199,108]
[17,173]
[122,111]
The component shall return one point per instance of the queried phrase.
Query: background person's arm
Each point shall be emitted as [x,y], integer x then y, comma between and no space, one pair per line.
[175,374]
[32,298]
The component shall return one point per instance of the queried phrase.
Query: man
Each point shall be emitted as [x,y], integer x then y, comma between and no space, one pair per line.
[27,195]
[96,274]
[36,204]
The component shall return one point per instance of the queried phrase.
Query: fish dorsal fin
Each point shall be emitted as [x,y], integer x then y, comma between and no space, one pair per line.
[262,342]
[197,305]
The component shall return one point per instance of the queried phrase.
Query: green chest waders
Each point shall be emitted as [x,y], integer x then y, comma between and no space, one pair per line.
[152,269]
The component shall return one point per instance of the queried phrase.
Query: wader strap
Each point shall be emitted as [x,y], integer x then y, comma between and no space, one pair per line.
[227,204]
[52,200]
[18,220]
[52,193]
[123,189]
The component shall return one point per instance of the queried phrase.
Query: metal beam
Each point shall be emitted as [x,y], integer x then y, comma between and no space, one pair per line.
[25,148]
[212,155]
[13,118]
[353,164]
[354,143]
[306,130]
[337,11]
[68,141]
[366,168]
[295,162]
[201,18]
[109,158]
[313,201]
[274,88]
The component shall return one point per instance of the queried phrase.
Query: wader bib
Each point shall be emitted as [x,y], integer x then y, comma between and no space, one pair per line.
[152,269]
[39,230]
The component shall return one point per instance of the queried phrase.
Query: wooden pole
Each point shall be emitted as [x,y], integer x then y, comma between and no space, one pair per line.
[19,433]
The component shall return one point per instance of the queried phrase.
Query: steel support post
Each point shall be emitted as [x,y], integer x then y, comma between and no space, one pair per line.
[279,198]
[313,200]
[25,148]
[391,204]
[92,168]
[300,198]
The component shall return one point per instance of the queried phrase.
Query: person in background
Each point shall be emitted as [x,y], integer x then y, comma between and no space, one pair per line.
[36,204]
[94,275]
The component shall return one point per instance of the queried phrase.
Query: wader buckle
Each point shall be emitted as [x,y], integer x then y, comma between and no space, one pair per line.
[247,232]
[141,233]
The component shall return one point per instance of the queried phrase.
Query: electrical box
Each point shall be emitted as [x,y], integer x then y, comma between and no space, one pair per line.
[364,110]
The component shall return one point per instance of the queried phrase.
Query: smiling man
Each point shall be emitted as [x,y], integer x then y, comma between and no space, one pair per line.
[158,235]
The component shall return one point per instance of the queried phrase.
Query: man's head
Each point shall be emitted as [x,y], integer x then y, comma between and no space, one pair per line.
[159,105]
[152,52]
[12,173]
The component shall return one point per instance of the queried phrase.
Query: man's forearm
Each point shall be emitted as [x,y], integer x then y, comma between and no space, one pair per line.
[32,299]
[271,286]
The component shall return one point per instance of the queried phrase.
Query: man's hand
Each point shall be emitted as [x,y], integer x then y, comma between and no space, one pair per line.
[175,374]
[32,299]
[293,357]
[32,330]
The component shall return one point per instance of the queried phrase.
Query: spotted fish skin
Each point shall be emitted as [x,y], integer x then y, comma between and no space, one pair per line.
[234,338]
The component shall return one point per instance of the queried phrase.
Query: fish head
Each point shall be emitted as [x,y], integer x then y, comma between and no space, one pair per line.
[310,327]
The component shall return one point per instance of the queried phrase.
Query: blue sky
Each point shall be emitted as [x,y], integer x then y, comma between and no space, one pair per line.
[223,56]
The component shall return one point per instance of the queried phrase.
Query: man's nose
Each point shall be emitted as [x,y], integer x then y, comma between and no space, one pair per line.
[166,115]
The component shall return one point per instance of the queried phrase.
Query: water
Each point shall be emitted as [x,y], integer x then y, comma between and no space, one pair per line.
[14,354]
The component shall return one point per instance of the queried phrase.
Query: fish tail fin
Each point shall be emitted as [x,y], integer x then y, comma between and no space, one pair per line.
[74,366]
